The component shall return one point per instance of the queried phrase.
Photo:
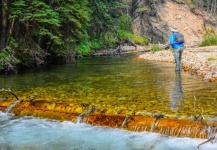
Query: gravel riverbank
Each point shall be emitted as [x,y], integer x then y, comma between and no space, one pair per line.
[200,61]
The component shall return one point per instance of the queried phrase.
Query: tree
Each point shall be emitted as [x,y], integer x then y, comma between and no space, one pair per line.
[3,26]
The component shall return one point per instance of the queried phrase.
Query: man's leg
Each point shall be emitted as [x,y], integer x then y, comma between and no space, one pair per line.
[180,57]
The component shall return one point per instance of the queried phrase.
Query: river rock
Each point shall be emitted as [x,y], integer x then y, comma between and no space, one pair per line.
[199,61]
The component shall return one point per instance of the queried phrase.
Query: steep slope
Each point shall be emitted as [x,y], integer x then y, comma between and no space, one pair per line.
[190,21]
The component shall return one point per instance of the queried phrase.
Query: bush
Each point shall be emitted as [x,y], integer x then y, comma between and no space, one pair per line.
[8,61]
[209,40]
[83,49]
[140,40]
[155,48]
[94,45]
[129,36]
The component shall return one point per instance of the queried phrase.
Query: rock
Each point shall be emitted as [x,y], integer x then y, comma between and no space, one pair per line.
[207,76]
[195,61]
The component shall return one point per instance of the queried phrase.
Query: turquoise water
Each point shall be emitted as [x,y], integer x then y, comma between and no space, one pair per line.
[29,133]
[119,84]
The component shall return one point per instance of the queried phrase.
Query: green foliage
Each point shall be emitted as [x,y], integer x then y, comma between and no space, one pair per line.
[74,16]
[8,59]
[137,39]
[209,40]
[37,18]
[140,40]
[64,28]
[110,39]
[212,59]
[209,32]
[104,19]
[155,48]
[126,35]
[95,45]
[188,1]
[143,9]
[125,22]
[83,49]
[17,8]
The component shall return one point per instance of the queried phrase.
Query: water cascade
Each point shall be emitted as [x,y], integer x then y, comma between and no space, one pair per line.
[108,105]
[82,118]
[157,123]
[34,133]
[8,109]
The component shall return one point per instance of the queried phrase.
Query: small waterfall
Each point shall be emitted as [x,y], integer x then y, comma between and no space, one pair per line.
[155,123]
[79,119]
[125,120]
[82,118]
[8,109]
[4,117]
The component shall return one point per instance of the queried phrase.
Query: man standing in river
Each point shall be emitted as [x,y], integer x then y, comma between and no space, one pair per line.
[177,43]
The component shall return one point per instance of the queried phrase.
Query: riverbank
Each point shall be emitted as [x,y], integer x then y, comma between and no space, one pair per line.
[200,61]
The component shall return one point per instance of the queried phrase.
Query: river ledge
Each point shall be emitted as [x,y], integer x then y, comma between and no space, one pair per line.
[67,111]
[200,61]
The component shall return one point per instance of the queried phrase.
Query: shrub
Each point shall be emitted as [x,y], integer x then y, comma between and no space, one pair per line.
[155,48]
[137,39]
[83,49]
[8,61]
[209,40]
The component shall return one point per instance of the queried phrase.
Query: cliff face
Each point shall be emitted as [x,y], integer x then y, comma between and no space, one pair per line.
[152,19]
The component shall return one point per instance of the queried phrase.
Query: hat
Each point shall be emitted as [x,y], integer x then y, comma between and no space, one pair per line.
[173,28]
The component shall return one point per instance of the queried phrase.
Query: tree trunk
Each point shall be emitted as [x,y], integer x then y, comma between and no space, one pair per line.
[10,31]
[208,6]
[3,27]
[215,5]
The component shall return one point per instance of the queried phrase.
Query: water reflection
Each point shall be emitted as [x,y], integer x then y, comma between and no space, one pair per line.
[176,95]
[115,84]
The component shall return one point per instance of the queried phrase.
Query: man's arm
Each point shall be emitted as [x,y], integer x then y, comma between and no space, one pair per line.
[172,39]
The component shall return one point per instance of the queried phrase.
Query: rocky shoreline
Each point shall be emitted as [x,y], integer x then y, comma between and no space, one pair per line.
[200,61]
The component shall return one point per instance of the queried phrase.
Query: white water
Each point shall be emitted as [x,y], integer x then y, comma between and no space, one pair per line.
[8,109]
[37,134]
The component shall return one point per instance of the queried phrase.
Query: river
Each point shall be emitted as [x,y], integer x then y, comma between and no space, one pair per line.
[118,83]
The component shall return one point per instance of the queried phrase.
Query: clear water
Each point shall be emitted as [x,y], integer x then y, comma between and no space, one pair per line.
[30,133]
[118,84]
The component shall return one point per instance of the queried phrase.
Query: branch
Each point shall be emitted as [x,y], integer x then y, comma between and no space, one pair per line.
[9,91]
[210,139]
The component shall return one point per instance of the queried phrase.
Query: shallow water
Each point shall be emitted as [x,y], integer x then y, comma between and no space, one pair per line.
[118,84]
[29,133]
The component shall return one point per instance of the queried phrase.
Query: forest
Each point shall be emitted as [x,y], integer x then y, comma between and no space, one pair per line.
[39,32]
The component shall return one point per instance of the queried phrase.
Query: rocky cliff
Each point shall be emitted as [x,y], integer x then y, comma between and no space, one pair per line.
[152,18]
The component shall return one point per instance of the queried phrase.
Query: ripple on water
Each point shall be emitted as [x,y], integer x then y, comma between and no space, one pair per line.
[117,82]
[32,133]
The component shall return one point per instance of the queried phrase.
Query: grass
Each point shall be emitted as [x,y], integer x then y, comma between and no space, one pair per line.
[209,40]
[212,59]
[155,48]
[137,39]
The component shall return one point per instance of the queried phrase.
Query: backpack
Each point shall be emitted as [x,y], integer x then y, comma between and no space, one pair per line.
[179,38]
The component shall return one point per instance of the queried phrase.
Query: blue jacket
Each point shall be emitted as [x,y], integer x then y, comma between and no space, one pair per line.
[173,44]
